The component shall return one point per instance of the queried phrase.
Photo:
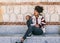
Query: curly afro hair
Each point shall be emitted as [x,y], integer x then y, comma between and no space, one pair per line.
[39,9]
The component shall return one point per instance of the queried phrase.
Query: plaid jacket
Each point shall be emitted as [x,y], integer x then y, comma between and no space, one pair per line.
[41,21]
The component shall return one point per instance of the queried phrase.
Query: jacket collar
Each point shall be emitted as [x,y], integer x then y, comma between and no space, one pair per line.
[38,17]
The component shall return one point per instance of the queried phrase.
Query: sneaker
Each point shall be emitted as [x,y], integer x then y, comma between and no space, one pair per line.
[18,42]
[21,42]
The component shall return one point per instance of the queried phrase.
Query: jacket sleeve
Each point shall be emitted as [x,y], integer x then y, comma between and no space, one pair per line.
[43,22]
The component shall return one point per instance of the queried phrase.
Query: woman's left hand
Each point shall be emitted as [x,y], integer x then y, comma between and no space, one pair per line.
[37,25]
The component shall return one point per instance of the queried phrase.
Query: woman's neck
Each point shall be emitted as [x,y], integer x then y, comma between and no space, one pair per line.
[37,16]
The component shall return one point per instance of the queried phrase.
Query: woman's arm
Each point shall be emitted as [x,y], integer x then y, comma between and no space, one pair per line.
[43,22]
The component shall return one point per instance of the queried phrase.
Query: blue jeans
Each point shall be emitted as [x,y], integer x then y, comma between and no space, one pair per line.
[33,30]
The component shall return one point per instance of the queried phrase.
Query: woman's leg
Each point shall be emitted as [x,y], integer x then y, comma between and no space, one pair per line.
[37,31]
[34,30]
[30,29]
[28,32]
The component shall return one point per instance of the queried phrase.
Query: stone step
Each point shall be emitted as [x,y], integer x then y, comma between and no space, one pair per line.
[21,29]
[47,38]
[13,33]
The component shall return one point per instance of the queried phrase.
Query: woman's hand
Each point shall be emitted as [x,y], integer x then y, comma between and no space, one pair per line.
[28,17]
[37,25]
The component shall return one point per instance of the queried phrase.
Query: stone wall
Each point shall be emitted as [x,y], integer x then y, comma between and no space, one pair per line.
[17,13]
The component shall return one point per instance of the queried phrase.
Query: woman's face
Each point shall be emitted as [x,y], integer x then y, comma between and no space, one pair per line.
[36,13]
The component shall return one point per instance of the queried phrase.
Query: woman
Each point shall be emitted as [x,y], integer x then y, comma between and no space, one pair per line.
[34,23]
